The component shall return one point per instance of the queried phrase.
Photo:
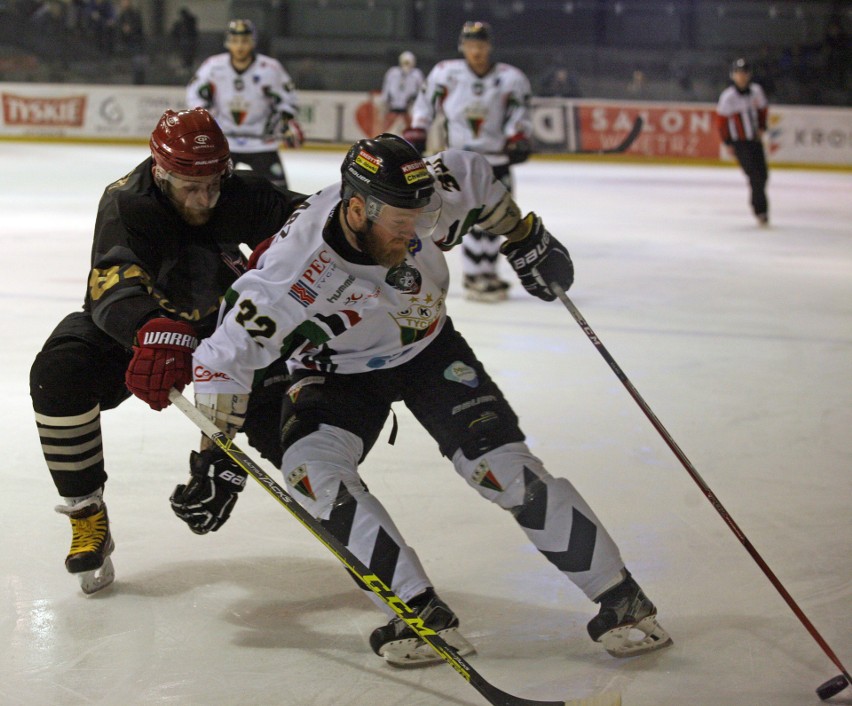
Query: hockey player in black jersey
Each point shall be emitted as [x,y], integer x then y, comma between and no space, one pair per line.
[165,250]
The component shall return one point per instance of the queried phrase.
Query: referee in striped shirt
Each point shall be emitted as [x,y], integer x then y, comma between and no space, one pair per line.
[741,119]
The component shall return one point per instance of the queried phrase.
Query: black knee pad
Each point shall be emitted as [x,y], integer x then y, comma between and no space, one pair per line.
[66,379]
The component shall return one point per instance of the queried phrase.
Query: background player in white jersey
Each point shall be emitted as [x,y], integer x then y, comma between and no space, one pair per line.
[252,98]
[486,108]
[353,290]
[741,117]
[400,87]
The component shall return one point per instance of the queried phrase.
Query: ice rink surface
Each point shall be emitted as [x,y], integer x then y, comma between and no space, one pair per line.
[739,338]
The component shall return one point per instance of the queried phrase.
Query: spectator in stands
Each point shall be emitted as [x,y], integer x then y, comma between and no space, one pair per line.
[100,24]
[131,39]
[837,54]
[185,34]
[560,81]
[637,86]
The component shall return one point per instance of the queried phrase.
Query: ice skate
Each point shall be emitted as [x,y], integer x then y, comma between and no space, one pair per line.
[485,288]
[627,624]
[401,647]
[762,219]
[91,543]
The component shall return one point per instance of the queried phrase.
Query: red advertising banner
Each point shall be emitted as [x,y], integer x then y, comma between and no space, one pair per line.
[669,131]
[67,111]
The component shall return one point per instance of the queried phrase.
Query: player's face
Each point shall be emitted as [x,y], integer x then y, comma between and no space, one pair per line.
[477,53]
[741,78]
[387,240]
[193,197]
[240,46]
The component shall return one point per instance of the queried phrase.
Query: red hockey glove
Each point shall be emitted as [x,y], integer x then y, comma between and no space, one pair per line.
[162,359]
[417,137]
[518,148]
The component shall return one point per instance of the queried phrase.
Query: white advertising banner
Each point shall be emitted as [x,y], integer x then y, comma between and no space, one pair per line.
[682,132]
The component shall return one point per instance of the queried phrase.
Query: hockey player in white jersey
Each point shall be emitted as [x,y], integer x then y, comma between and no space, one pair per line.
[400,87]
[485,106]
[253,99]
[353,291]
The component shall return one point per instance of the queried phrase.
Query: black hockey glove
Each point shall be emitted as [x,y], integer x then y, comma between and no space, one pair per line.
[518,148]
[206,501]
[539,259]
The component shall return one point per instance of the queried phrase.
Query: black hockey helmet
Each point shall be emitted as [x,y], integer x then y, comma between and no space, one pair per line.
[741,64]
[388,169]
[475,30]
[240,28]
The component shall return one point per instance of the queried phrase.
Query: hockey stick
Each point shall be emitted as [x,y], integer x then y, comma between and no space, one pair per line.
[370,580]
[622,146]
[832,686]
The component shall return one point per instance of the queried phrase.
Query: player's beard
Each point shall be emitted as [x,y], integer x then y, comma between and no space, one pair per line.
[388,254]
[194,216]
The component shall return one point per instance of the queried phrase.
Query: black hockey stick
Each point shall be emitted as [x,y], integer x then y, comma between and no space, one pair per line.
[622,146]
[832,686]
[370,580]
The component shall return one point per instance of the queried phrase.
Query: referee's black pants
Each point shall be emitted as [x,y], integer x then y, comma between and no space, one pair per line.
[752,159]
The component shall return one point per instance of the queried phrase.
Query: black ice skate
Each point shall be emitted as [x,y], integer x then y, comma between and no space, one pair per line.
[401,647]
[485,288]
[627,624]
[91,544]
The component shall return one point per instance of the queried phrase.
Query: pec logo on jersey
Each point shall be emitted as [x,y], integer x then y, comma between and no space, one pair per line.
[460,372]
[303,294]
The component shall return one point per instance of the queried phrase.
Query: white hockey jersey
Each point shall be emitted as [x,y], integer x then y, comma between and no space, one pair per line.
[742,115]
[481,112]
[246,104]
[327,306]
[399,88]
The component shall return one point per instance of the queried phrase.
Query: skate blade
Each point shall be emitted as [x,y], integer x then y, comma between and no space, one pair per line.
[625,640]
[413,652]
[98,579]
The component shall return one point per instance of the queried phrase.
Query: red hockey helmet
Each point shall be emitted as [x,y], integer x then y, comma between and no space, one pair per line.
[190,143]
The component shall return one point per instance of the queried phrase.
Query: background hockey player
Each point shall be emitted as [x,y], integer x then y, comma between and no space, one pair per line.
[400,86]
[165,250]
[354,289]
[741,116]
[252,98]
[486,108]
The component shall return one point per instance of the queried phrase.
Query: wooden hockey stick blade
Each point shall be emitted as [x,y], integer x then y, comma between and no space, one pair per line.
[625,144]
[358,569]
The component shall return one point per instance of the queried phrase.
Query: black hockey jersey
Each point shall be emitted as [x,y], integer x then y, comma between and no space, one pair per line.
[147,259]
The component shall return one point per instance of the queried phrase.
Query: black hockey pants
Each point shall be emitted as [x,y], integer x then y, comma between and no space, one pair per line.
[752,159]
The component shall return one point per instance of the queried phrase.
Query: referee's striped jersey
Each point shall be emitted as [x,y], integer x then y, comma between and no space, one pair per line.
[740,114]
